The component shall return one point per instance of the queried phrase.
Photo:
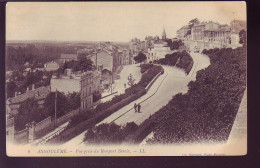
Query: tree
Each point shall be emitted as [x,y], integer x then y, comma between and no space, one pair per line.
[193,21]
[83,64]
[131,81]
[65,66]
[130,127]
[89,136]
[177,44]
[27,112]
[141,57]
[11,88]
[242,37]
[169,42]
[96,96]
[73,100]
[62,104]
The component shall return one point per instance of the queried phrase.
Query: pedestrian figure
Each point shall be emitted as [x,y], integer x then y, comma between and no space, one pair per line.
[139,108]
[125,85]
[135,106]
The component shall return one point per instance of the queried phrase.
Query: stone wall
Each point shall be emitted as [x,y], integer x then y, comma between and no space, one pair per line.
[201,45]
[42,124]
[22,136]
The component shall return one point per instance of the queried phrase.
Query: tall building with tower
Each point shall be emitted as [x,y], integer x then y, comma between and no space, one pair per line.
[164,34]
[160,49]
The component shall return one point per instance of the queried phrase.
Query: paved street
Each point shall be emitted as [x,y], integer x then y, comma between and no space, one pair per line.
[172,82]
[118,86]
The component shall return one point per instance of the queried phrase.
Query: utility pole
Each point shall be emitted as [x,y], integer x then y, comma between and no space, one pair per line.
[112,83]
[96,59]
[55,116]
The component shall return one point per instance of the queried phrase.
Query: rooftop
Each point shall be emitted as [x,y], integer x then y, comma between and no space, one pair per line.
[38,93]
[68,56]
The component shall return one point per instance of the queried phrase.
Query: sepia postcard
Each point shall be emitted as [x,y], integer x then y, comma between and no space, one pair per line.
[126,79]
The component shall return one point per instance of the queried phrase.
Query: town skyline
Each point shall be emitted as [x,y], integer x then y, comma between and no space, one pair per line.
[85,22]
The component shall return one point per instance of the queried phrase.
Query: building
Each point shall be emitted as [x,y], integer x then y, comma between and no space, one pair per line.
[103,60]
[183,32]
[159,50]
[111,57]
[126,58]
[68,57]
[39,94]
[163,35]
[67,83]
[149,42]
[85,51]
[106,79]
[96,81]
[51,66]
[208,35]
[237,26]
[86,90]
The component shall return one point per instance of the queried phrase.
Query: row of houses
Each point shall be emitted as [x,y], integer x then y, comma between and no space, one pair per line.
[86,83]
[108,58]
[207,35]
[153,47]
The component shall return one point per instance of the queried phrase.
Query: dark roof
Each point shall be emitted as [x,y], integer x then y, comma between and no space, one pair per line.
[68,56]
[38,93]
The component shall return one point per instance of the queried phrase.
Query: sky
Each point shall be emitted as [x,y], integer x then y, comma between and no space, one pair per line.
[110,21]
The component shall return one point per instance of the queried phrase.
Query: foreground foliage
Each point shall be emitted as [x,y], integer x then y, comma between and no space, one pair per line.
[208,110]
[181,60]
[87,119]
[109,133]
[30,110]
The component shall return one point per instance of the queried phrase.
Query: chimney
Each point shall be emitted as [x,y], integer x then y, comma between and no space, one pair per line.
[15,94]
[27,89]
[33,87]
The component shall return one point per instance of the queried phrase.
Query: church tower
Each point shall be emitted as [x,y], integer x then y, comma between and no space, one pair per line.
[163,35]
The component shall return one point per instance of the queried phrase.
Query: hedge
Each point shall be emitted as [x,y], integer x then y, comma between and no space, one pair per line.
[82,122]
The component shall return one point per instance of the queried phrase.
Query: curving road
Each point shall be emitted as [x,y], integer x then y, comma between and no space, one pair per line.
[172,82]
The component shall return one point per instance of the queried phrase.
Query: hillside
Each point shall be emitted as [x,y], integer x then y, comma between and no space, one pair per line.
[208,110]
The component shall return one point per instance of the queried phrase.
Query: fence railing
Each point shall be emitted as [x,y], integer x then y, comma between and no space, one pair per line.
[43,127]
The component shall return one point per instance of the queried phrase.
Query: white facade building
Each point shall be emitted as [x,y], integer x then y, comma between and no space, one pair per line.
[159,51]
[51,66]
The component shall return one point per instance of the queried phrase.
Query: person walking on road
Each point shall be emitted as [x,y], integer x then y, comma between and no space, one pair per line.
[135,106]
[139,107]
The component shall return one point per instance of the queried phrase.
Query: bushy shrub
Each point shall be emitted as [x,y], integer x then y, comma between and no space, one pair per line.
[109,133]
[79,118]
[185,62]
[208,110]
[149,75]
[145,67]
[103,110]
[181,60]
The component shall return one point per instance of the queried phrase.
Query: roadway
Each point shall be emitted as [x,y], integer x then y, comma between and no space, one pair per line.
[172,82]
